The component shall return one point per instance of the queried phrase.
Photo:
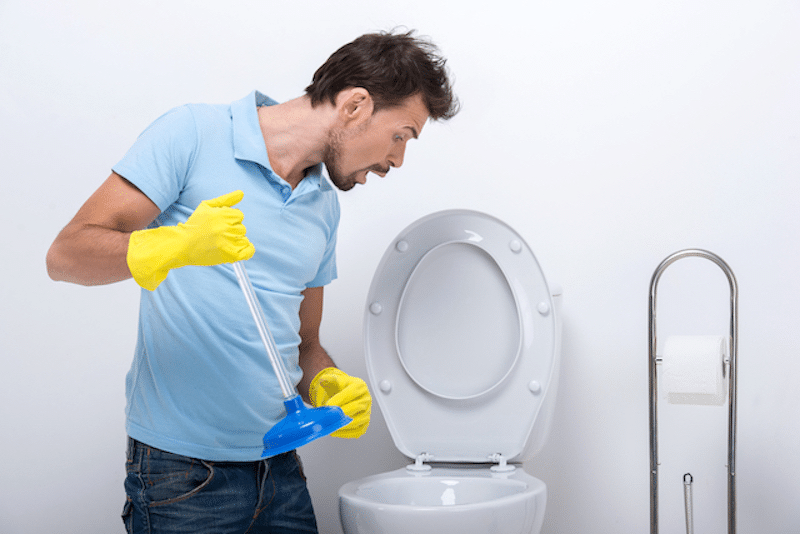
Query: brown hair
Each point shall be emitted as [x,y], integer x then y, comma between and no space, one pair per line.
[392,67]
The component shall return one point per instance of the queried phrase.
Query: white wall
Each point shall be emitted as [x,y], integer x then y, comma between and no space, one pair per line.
[610,134]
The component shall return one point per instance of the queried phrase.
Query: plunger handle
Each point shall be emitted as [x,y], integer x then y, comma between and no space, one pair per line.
[263,330]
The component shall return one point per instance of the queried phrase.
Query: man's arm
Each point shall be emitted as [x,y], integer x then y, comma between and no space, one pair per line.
[331,387]
[313,357]
[92,248]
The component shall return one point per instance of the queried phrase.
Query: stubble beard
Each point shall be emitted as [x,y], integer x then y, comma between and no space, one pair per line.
[332,159]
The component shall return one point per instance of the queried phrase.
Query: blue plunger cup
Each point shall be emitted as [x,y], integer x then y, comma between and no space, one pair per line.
[301,425]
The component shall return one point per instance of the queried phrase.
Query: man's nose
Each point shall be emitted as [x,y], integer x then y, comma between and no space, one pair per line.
[396,157]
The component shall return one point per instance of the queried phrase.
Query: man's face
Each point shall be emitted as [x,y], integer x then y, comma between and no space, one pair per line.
[374,146]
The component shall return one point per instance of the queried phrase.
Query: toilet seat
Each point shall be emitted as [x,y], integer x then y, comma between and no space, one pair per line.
[460,339]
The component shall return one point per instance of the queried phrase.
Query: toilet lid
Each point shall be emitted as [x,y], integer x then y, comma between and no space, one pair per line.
[459,338]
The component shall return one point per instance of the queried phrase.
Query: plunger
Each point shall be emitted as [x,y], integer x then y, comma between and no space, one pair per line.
[301,425]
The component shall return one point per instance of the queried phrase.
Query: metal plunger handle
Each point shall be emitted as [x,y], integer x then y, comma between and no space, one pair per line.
[263,330]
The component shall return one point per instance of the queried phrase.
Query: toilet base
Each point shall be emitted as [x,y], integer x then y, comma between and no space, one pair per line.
[466,499]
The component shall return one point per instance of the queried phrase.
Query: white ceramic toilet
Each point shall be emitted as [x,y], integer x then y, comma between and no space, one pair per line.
[462,340]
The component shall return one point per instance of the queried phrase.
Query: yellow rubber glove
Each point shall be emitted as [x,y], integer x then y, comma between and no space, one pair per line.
[213,234]
[333,387]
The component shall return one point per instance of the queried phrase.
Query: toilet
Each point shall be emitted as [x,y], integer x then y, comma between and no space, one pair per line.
[462,343]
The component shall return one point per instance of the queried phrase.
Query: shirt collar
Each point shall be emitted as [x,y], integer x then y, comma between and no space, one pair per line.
[248,141]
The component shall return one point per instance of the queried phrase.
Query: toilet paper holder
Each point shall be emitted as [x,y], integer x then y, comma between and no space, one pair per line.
[726,362]
[731,359]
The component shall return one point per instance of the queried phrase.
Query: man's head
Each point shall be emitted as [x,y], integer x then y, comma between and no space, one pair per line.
[391,67]
[370,141]
[384,87]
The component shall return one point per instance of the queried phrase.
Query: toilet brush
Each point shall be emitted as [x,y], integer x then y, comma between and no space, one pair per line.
[301,425]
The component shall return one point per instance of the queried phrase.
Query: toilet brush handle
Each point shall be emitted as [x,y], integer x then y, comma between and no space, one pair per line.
[687,497]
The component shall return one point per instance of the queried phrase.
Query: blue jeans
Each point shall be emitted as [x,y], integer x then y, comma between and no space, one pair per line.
[169,493]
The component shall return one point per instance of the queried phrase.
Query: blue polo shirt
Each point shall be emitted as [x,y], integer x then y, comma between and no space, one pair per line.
[201,384]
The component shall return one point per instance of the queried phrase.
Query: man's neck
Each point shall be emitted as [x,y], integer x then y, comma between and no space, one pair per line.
[295,135]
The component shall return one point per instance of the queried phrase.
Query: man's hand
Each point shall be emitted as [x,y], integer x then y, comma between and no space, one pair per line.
[333,387]
[213,234]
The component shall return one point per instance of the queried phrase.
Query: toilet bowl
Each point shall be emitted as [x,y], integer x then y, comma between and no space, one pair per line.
[462,343]
[463,499]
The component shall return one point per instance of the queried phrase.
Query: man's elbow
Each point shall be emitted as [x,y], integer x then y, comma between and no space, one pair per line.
[56,263]
[61,267]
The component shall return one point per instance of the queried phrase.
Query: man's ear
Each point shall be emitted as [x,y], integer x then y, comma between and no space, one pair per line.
[354,106]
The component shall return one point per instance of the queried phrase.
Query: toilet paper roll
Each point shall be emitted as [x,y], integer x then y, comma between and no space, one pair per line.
[692,369]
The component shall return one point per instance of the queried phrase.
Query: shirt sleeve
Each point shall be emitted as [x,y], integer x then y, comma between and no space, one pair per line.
[327,269]
[159,161]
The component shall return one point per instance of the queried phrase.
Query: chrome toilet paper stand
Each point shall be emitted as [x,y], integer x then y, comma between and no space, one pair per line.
[731,385]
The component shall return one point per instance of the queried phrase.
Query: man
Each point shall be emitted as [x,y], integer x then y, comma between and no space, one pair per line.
[201,392]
